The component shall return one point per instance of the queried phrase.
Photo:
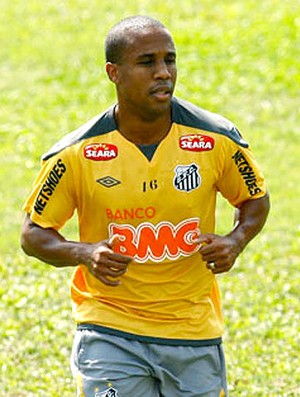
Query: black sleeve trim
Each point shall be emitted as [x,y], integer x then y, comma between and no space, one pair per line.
[185,113]
[99,125]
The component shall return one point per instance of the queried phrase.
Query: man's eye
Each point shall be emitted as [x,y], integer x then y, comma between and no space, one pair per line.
[146,62]
[170,60]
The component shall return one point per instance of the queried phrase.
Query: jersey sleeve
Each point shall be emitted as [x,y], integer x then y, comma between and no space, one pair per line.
[241,178]
[52,200]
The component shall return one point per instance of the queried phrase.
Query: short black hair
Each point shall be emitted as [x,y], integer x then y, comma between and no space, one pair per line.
[116,39]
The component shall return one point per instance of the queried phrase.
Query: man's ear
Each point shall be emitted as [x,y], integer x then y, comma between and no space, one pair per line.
[112,72]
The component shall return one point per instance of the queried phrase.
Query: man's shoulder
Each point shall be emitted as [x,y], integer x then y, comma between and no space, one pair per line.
[190,115]
[98,125]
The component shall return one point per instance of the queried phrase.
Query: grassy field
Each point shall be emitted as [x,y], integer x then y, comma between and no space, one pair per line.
[237,58]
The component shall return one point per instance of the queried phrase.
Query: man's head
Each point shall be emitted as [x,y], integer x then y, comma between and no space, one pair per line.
[118,38]
[141,62]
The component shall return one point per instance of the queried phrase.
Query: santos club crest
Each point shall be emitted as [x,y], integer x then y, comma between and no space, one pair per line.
[111,392]
[187,177]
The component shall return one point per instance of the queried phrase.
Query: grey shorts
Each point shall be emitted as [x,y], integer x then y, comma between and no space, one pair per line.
[112,366]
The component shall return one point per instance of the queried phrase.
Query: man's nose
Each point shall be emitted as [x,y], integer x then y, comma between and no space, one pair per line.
[162,71]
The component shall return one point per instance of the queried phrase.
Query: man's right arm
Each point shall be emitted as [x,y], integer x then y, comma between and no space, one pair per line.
[49,246]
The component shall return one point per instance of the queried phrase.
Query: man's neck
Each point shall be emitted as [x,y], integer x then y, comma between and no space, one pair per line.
[143,132]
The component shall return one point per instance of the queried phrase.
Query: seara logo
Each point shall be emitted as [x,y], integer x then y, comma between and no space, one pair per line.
[196,143]
[157,242]
[100,152]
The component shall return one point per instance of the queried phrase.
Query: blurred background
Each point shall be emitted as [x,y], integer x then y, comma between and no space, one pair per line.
[237,58]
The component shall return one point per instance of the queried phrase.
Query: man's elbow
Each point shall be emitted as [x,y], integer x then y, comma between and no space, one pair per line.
[26,242]
[266,204]
[28,237]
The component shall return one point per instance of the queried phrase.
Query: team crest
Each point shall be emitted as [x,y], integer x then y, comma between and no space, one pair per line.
[111,392]
[187,177]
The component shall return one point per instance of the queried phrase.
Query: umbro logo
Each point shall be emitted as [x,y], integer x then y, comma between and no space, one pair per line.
[108,181]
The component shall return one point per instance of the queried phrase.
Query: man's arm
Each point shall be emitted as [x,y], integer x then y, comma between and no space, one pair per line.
[250,218]
[51,247]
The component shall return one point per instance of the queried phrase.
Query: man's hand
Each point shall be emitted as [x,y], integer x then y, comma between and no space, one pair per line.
[221,251]
[50,246]
[105,264]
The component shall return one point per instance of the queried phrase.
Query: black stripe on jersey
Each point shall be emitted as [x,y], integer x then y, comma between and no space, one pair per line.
[185,113]
[149,339]
[99,125]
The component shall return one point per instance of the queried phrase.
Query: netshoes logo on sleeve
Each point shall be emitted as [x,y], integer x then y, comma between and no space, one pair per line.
[100,151]
[247,172]
[196,143]
[49,186]
[157,242]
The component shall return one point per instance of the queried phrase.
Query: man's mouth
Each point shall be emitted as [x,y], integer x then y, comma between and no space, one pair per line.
[162,92]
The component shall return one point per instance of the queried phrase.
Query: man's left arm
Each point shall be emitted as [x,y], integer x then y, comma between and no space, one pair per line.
[250,218]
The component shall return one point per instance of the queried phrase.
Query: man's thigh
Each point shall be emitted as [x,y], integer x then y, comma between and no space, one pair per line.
[109,366]
[186,371]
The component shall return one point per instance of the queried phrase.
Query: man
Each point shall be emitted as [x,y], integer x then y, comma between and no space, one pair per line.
[143,177]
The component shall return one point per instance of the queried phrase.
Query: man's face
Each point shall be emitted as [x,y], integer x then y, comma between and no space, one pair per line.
[146,75]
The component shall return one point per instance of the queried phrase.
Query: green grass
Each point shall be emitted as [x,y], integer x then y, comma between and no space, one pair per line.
[237,58]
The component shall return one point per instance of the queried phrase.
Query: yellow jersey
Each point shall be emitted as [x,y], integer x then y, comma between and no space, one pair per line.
[157,205]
